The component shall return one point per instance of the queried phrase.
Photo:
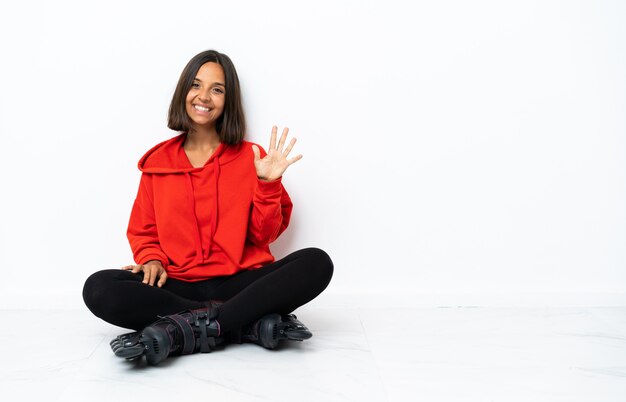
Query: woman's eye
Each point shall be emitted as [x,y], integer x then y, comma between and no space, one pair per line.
[195,85]
[218,90]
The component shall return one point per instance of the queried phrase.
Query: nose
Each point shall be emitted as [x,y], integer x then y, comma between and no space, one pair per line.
[204,96]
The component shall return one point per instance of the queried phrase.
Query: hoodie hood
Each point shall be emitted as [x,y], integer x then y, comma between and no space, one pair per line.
[169,157]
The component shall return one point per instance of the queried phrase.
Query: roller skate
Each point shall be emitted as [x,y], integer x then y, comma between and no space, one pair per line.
[269,330]
[187,332]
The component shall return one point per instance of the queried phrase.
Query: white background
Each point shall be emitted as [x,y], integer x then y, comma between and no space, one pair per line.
[469,149]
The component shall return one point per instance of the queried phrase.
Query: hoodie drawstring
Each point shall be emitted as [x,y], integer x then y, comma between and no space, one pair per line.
[192,209]
[200,256]
[214,215]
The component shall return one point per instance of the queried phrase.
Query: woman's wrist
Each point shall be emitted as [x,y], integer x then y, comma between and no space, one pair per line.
[267,180]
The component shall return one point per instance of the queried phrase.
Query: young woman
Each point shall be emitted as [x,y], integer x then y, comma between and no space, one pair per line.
[208,206]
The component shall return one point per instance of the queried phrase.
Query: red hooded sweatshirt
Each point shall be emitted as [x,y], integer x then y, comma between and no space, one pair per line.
[205,222]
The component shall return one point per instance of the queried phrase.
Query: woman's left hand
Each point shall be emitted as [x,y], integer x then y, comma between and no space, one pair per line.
[275,162]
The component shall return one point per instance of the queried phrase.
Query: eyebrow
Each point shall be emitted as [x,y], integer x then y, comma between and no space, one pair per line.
[215,83]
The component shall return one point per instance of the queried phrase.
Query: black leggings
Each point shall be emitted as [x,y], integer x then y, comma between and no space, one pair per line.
[120,298]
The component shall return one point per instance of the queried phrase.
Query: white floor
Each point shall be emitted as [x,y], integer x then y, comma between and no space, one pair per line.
[356,354]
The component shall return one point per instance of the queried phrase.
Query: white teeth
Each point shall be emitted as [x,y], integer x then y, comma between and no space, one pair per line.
[201,108]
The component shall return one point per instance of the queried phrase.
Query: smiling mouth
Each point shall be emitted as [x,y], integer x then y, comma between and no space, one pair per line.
[201,108]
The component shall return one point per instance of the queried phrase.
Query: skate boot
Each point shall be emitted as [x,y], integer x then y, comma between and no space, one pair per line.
[269,330]
[187,332]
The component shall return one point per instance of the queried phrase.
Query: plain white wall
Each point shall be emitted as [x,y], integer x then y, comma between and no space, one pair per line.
[449,147]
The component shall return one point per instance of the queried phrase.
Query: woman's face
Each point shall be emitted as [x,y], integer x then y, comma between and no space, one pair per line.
[205,100]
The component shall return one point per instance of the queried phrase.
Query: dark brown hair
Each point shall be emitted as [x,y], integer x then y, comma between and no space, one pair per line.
[231,125]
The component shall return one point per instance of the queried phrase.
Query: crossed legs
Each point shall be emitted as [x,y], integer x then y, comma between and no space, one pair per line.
[120,298]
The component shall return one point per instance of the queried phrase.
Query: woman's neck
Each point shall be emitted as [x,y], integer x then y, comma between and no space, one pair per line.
[202,138]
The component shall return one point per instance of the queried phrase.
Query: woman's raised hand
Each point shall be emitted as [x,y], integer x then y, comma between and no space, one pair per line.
[152,270]
[275,162]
